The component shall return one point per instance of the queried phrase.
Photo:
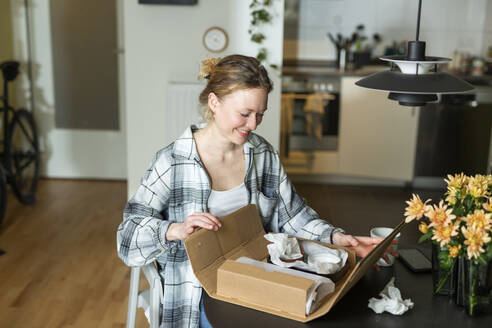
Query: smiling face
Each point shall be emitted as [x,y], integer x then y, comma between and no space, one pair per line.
[238,113]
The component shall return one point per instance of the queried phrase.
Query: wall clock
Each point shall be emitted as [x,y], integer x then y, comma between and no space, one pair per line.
[215,39]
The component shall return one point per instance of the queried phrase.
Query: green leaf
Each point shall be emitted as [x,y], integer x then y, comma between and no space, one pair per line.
[257,37]
[262,54]
[489,251]
[481,259]
[468,203]
[446,263]
[274,66]
[454,243]
[261,15]
[444,278]
[443,255]
[459,211]
[425,236]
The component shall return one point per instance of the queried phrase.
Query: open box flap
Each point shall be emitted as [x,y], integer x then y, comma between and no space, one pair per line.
[242,234]
[370,260]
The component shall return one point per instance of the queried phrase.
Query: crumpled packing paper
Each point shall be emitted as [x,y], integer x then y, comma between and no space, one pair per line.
[390,300]
[319,259]
[319,289]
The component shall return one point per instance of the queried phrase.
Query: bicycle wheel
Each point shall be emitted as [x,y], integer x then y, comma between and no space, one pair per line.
[23,157]
[3,194]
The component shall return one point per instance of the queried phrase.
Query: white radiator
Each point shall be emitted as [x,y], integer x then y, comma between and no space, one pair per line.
[182,107]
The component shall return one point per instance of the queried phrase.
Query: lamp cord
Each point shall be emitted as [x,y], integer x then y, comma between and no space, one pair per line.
[418,21]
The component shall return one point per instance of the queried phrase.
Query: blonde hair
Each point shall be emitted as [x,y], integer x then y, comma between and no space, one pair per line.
[228,74]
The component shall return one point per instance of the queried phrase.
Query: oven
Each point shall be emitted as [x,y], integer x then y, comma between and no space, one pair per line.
[310,114]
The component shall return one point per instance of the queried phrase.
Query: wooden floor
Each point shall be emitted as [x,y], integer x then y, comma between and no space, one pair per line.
[61,268]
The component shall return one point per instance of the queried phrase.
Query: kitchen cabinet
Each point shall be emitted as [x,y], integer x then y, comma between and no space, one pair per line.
[377,137]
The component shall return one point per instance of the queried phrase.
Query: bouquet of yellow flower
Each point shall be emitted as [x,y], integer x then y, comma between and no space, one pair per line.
[461,227]
[462,223]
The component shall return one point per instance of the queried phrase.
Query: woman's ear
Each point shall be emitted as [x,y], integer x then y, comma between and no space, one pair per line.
[212,101]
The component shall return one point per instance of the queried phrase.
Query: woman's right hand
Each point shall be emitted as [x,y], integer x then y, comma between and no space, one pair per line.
[182,230]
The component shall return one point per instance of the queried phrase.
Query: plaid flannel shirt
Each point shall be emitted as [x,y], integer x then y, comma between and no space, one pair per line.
[175,186]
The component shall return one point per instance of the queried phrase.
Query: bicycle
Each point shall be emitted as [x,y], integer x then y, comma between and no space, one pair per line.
[19,148]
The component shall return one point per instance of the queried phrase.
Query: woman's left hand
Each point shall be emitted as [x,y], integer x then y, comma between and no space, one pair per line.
[363,245]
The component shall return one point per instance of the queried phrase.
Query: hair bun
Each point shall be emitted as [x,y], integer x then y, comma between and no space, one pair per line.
[208,67]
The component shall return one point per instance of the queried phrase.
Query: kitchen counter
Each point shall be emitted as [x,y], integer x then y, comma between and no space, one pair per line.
[327,68]
[328,71]
[321,68]
[476,80]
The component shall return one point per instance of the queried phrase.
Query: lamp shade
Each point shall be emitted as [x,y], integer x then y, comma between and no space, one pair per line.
[417,81]
[414,84]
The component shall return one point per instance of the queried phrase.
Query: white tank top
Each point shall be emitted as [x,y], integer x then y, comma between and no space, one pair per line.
[222,203]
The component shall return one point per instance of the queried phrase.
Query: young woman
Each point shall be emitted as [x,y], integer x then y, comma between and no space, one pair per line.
[209,172]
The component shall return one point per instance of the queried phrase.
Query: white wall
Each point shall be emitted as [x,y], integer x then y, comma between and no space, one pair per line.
[163,43]
[446,25]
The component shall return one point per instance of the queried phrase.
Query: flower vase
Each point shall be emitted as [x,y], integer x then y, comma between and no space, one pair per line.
[460,297]
[476,286]
[443,280]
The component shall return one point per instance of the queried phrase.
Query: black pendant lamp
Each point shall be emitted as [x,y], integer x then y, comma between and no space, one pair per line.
[413,79]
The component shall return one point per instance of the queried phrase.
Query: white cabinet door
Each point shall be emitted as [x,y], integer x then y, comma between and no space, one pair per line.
[377,137]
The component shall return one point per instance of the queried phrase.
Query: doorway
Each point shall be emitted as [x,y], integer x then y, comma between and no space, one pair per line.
[78,83]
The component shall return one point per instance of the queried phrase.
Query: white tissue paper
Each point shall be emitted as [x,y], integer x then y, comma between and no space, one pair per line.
[283,247]
[319,289]
[317,258]
[323,259]
[391,300]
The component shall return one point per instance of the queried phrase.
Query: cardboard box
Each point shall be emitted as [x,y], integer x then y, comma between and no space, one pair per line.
[213,253]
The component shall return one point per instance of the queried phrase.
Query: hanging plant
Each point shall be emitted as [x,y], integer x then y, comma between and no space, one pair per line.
[260,15]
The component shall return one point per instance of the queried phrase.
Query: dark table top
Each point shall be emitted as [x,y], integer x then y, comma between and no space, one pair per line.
[352,310]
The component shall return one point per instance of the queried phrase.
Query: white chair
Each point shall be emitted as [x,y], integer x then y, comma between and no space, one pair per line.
[149,299]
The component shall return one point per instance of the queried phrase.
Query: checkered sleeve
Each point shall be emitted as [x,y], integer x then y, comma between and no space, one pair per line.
[298,219]
[141,237]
